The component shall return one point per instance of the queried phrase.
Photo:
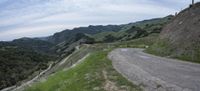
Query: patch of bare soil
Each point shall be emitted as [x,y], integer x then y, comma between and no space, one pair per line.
[109,85]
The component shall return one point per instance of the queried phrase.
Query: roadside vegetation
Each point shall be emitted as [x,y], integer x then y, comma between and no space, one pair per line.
[95,73]
[165,49]
[160,47]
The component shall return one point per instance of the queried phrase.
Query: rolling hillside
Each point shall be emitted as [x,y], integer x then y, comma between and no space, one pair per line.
[134,30]
[69,35]
[94,73]
[38,52]
[18,63]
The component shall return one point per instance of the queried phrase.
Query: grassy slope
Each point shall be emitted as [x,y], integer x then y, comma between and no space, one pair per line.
[160,48]
[87,76]
[163,48]
[90,74]
[71,59]
[101,36]
[138,43]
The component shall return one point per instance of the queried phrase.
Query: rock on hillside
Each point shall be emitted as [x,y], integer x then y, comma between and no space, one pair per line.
[182,35]
[185,28]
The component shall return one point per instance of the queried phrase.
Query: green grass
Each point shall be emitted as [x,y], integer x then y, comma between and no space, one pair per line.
[87,76]
[137,43]
[73,58]
[163,48]
[101,36]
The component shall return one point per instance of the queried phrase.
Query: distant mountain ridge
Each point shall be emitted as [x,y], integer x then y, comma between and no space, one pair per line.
[135,30]
[68,35]
[65,41]
[35,44]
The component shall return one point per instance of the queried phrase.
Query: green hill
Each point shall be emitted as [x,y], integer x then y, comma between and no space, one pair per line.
[32,54]
[69,35]
[134,30]
[18,63]
[95,73]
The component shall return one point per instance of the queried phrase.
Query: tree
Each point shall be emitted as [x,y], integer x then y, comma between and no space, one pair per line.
[109,38]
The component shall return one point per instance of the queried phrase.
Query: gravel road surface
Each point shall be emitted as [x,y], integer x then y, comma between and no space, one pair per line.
[155,73]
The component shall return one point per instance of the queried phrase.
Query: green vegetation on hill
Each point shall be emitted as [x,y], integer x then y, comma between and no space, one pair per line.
[36,45]
[137,43]
[162,47]
[95,73]
[151,25]
[36,51]
[69,35]
[134,30]
[18,63]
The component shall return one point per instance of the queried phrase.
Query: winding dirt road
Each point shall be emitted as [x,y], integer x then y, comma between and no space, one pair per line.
[155,73]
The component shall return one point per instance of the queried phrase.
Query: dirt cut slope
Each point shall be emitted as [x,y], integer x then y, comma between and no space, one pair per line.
[181,37]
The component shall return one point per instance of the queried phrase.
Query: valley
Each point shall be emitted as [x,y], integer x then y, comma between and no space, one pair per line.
[58,46]
[160,54]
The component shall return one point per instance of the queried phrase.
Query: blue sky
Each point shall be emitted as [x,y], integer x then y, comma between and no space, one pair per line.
[36,18]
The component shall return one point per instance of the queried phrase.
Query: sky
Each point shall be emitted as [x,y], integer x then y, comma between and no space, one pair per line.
[37,18]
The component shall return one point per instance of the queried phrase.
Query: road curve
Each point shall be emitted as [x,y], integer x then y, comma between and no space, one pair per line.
[155,73]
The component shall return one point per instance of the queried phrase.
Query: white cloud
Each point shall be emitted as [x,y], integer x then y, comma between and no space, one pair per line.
[33,18]
[30,31]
